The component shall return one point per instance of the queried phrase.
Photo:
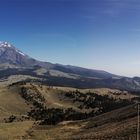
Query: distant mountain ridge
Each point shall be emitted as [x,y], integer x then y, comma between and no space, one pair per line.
[14,61]
[11,56]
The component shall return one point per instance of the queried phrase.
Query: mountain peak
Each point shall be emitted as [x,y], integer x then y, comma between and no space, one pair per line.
[5,44]
[10,55]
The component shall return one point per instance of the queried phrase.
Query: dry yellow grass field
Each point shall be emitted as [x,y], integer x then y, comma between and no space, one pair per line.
[15,130]
[11,102]
[119,124]
[116,125]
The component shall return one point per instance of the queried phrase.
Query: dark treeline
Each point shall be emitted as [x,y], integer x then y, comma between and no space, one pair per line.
[52,116]
[81,82]
[104,103]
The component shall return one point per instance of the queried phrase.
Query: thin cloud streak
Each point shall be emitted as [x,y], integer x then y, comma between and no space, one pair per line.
[112,8]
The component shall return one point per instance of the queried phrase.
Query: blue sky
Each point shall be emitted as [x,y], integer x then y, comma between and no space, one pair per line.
[97,34]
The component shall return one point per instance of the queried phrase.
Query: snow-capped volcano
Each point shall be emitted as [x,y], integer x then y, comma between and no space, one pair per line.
[12,56]
[5,45]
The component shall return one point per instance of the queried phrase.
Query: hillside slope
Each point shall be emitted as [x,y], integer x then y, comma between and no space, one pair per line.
[42,110]
[116,125]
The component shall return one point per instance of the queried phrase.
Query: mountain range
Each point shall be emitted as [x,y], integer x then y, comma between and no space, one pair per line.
[15,62]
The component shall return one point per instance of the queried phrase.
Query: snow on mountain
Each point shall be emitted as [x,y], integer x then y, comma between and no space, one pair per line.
[10,55]
[20,52]
[5,44]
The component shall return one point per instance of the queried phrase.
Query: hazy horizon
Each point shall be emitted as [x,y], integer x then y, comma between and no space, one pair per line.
[94,34]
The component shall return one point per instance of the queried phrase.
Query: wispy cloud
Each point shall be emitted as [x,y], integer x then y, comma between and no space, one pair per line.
[135,30]
[112,8]
[135,62]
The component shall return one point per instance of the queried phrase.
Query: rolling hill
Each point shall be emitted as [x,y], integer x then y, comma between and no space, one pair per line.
[60,113]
